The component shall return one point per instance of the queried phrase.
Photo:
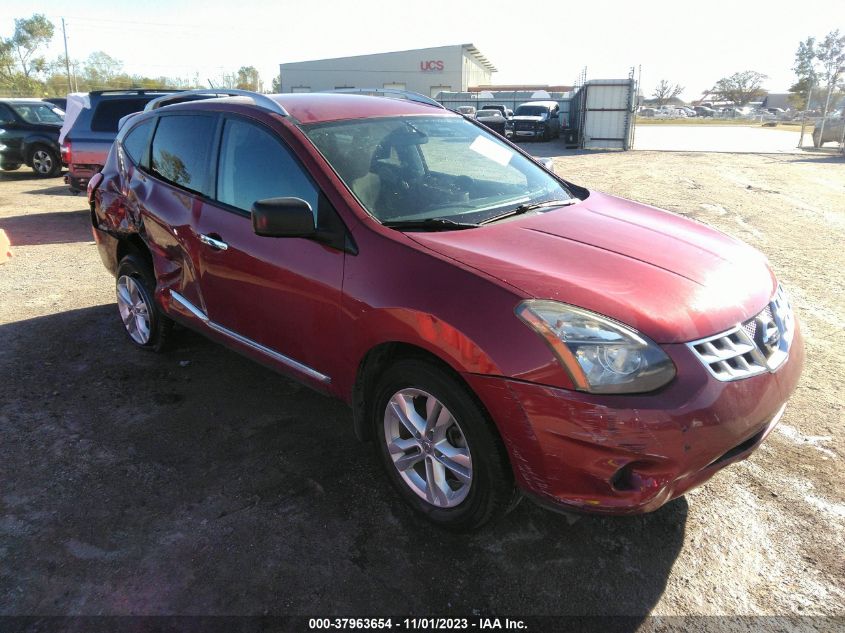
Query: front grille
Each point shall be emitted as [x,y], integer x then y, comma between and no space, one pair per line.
[756,346]
[524,125]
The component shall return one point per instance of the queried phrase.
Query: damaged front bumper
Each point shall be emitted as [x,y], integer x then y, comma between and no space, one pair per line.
[632,454]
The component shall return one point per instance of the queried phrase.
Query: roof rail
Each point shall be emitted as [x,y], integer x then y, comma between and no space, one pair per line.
[262,101]
[390,93]
[134,91]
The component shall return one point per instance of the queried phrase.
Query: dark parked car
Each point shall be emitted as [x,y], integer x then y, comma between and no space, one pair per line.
[495,121]
[91,125]
[704,111]
[493,327]
[29,135]
[537,120]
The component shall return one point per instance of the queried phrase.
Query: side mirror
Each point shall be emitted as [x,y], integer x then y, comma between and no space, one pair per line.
[283,217]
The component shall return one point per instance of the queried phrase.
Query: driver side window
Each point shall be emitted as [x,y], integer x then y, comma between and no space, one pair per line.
[254,165]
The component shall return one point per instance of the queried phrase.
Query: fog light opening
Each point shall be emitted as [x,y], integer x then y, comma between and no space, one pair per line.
[626,479]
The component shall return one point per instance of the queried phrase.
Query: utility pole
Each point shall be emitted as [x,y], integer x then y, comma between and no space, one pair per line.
[67,61]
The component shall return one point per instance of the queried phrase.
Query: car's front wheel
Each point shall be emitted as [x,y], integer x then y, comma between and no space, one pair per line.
[144,323]
[439,449]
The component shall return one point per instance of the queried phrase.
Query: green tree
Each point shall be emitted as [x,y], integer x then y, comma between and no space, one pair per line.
[102,70]
[277,85]
[741,87]
[21,65]
[831,56]
[247,78]
[805,71]
[818,64]
[31,34]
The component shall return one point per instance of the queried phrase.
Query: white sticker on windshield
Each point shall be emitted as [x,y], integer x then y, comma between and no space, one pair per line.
[491,150]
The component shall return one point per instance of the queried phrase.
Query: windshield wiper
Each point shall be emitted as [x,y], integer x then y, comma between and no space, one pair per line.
[524,208]
[429,224]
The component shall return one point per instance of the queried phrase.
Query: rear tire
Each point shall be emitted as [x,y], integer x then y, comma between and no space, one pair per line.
[45,162]
[438,447]
[143,321]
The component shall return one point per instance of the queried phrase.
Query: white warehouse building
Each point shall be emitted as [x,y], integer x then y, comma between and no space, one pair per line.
[427,71]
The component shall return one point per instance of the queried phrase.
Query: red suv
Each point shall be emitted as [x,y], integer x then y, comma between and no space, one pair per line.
[496,330]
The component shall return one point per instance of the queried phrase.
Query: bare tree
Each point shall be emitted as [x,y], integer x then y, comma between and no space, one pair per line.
[666,91]
[742,87]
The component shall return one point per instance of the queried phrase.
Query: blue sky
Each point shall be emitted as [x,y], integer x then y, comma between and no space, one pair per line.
[693,43]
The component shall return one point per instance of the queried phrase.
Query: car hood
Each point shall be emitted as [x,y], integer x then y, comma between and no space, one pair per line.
[673,279]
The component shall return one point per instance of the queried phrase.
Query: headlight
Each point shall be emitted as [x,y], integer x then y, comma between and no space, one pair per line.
[601,355]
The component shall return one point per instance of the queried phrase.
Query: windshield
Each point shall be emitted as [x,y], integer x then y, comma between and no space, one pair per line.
[38,112]
[531,111]
[419,168]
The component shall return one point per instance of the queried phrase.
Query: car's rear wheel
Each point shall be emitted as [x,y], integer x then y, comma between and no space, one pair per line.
[144,323]
[438,447]
[45,162]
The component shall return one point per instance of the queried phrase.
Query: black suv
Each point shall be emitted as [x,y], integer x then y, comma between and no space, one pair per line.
[29,135]
[91,126]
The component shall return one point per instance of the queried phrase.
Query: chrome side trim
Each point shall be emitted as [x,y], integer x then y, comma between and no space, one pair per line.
[281,358]
[190,307]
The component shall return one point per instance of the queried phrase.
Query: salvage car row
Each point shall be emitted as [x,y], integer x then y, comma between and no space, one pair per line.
[537,120]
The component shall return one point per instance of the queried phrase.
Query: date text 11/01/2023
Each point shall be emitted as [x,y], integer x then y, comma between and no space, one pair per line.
[430,624]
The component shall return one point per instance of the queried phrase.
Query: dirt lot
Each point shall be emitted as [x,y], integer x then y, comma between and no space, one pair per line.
[200,483]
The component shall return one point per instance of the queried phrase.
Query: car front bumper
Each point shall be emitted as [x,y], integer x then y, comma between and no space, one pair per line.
[528,133]
[633,453]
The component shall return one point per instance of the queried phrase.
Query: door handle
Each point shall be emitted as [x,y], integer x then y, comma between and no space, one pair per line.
[213,243]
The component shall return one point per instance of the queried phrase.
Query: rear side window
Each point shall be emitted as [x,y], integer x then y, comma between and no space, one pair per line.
[181,151]
[110,111]
[136,142]
[254,165]
[6,115]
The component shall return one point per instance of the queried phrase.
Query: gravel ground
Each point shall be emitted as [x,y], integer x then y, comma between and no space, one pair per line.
[197,482]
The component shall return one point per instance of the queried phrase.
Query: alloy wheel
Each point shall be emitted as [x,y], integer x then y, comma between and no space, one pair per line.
[42,161]
[428,447]
[133,310]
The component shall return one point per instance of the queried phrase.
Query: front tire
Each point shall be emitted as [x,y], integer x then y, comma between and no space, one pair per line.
[439,449]
[45,162]
[143,321]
